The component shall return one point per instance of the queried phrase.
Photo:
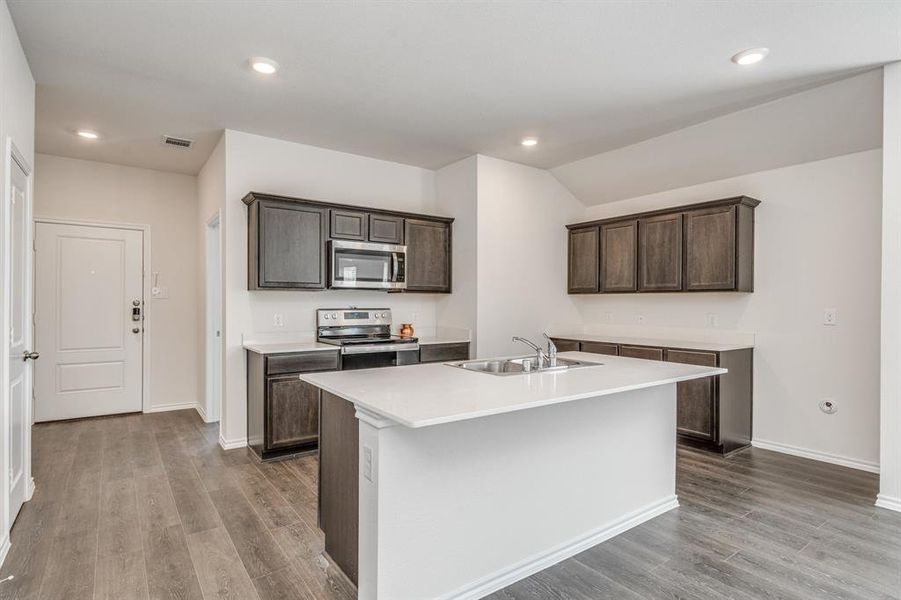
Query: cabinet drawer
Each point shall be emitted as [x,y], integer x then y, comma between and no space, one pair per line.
[443,352]
[641,352]
[301,362]
[566,345]
[600,348]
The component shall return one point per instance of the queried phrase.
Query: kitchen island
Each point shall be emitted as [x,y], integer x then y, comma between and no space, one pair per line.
[438,482]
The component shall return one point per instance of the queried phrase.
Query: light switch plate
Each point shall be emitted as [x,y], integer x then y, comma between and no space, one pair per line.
[830,316]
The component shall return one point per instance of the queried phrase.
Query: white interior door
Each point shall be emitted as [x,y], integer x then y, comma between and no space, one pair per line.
[20,338]
[88,291]
[214,323]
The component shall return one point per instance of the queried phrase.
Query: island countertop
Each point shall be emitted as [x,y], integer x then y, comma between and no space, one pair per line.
[432,394]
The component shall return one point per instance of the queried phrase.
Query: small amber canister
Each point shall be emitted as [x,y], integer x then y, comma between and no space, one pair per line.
[406,330]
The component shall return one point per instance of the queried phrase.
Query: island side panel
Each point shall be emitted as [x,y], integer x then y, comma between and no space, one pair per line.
[339,481]
[463,509]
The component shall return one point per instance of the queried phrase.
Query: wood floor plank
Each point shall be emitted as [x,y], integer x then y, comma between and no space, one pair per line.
[252,539]
[219,568]
[70,567]
[281,584]
[31,539]
[156,506]
[120,527]
[194,505]
[268,502]
[304,548]
[168,565]
[121,576]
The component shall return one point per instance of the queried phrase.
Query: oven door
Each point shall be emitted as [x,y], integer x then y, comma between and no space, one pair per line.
[374,356]
[361,265]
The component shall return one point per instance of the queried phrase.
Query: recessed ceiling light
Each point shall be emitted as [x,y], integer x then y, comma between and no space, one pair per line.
[529,141]
[86,134]
[263,65]
[751,56]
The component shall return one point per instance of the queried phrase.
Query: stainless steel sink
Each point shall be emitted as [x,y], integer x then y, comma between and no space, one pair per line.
[518,366]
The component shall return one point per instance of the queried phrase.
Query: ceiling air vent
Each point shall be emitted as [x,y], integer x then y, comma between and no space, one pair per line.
[177,142]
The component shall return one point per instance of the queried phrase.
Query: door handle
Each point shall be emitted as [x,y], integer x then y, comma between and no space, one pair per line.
[30,355]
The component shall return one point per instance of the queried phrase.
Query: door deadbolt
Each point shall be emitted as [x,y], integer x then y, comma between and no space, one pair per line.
[136,303]
[136,330]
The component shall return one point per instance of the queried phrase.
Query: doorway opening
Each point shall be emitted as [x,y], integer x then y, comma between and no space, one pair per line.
[212,405]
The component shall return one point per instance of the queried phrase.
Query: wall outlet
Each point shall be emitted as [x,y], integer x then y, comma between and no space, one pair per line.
[640,319]
[608,316]
[713,320]
[828,406]
[830,316]
[278,320]
[367,462]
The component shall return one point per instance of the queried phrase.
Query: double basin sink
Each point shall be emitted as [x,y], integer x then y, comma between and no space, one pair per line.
[519,366]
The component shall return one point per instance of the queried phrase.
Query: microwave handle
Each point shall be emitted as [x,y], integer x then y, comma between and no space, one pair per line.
[396,266]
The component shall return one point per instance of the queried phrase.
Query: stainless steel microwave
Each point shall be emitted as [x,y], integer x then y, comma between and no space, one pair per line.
[367,266]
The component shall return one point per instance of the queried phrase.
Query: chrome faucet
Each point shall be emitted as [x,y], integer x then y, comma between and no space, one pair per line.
[551,351]
[539,353]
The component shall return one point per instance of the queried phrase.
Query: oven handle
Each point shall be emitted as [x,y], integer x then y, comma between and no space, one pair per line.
[378,348]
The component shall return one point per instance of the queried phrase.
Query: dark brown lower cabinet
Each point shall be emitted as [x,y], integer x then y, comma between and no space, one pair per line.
[282,410]
[712,413]
[600,348]
[429,353]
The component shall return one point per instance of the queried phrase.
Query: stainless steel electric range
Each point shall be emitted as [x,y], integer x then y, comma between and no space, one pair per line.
[364,337]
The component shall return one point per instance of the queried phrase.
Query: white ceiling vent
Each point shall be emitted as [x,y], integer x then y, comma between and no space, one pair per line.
[170,140]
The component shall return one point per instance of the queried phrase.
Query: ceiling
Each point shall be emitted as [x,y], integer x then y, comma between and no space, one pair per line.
[424,83]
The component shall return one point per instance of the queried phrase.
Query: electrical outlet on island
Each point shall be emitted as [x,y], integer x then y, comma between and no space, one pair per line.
[278,320]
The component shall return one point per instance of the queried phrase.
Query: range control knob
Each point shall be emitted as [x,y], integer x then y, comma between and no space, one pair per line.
[334,315]
[326,316]
[384,315]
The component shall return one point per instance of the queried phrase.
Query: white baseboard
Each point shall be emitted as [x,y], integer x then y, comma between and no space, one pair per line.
[232,444]
[826,457]
[29,489]
[4,548]
[168,407]
[201,410]
[501,579]
[888,502]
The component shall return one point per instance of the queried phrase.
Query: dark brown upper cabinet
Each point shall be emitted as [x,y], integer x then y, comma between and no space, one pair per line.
[288,242]
[660,254]
[619,257]
[428,255]
[582,272]
[386,229]
[719,249]
[349,225]
[696,248]
[286,246]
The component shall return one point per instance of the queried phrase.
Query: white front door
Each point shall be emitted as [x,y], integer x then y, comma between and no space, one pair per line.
[20,337]
[89,308]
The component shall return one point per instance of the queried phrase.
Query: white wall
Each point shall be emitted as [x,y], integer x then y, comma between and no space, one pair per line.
[260,164]
[890,481]
[68,188]
[456,195]
[817,246]
[210,201]
[521,254]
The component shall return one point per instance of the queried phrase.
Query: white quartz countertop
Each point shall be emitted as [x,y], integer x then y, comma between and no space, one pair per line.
[440,338]
[653,341]
[432,394]
[282,347]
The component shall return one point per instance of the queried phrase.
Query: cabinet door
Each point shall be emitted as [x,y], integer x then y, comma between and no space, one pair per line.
[292,412]
[428,256]
[566,345]
[644,352]
[619,257]
[710,249]
[348,225]
[600,348]
[582,261]
[696,400]
[290,246]
[660,254]
[386,230]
